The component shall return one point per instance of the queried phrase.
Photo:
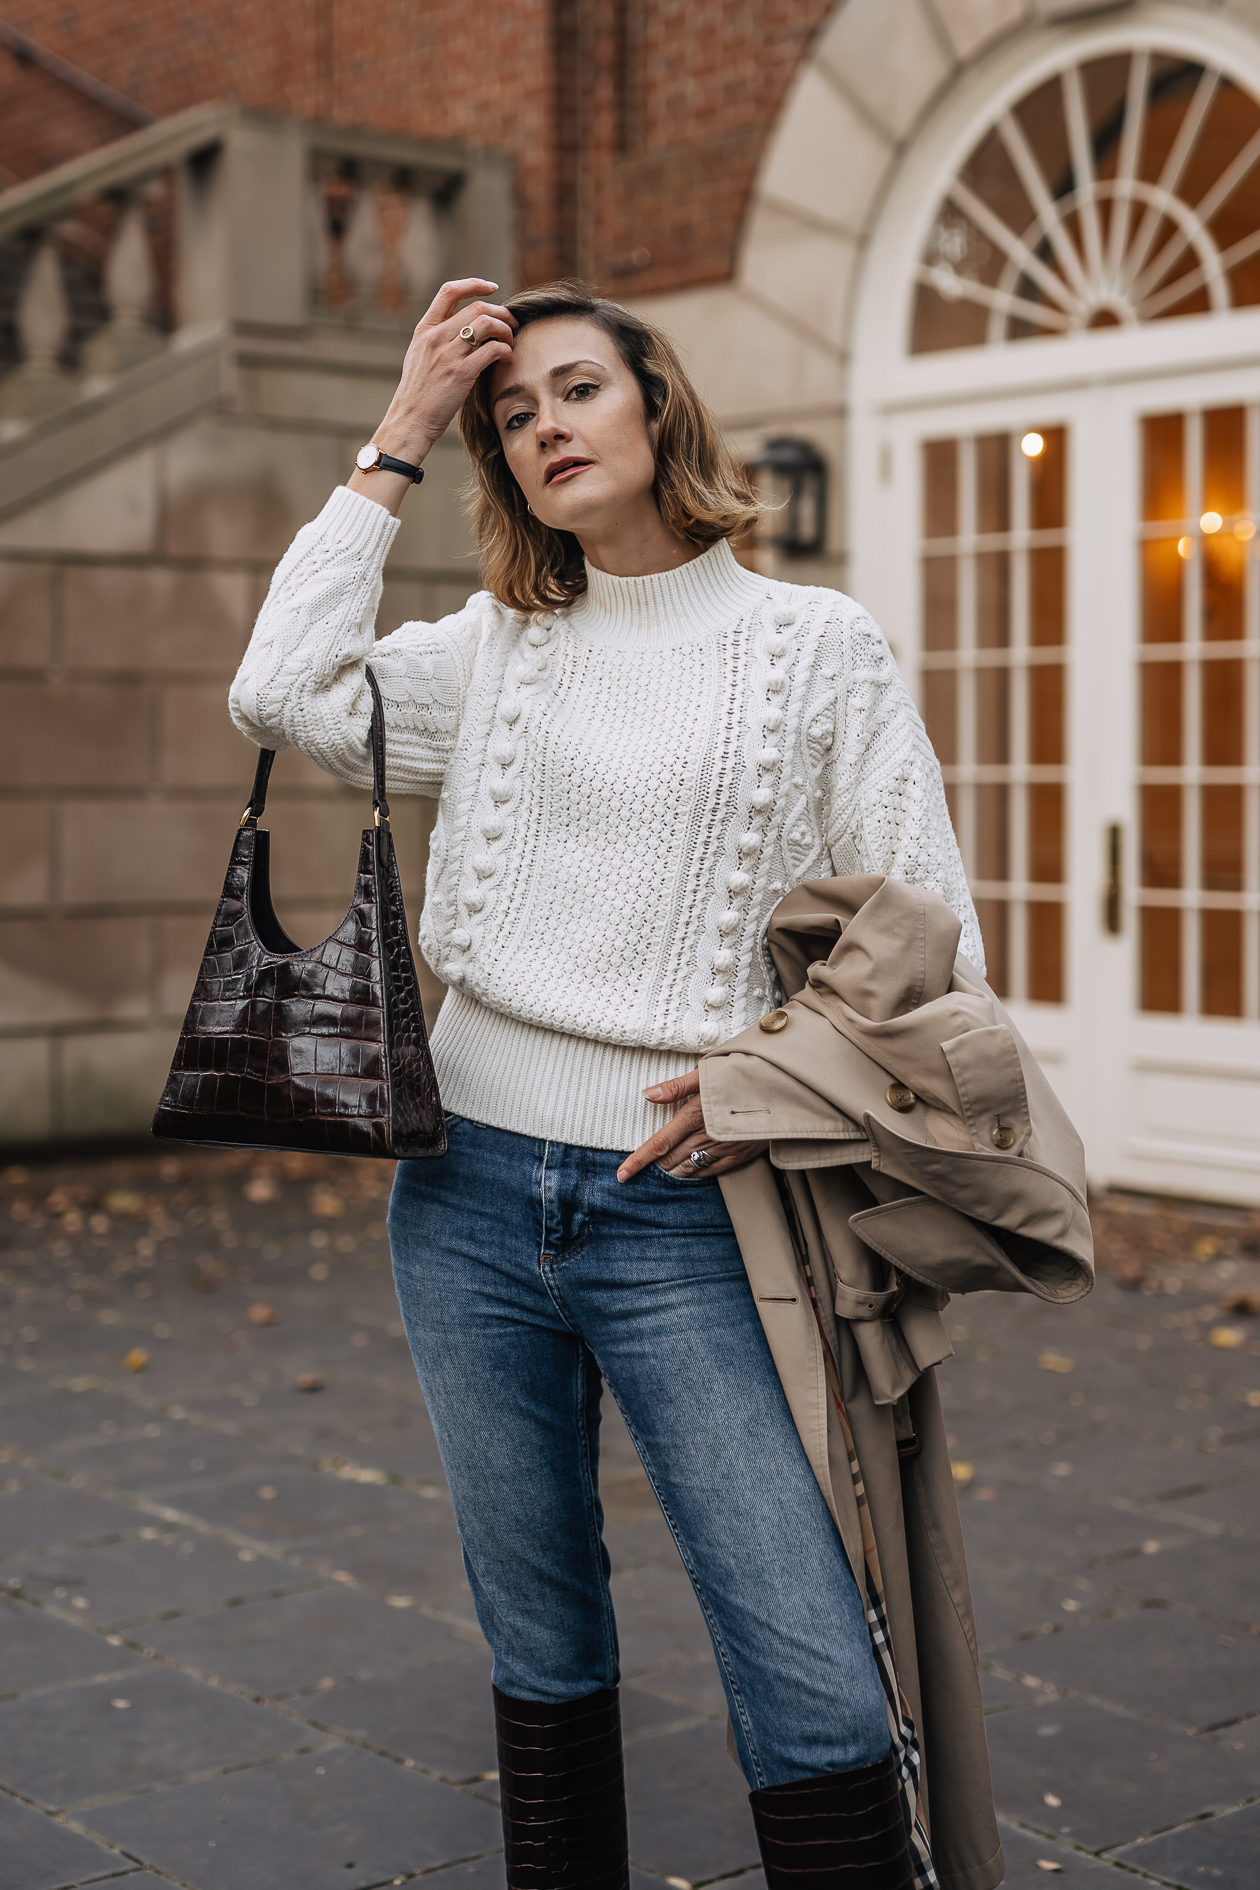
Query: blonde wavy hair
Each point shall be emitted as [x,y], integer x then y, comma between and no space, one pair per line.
[702,494]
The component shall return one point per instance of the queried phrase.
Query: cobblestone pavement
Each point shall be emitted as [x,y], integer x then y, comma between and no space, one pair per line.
[237,1650]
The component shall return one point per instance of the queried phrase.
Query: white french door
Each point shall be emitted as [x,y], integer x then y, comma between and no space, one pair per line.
[1070,582]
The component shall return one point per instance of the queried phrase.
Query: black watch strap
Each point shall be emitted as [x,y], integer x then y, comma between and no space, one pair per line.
[386,463]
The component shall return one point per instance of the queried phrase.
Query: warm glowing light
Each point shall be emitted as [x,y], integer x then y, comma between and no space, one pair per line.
[1245,529]
[1186,547]
[1031,445]
[1210,522]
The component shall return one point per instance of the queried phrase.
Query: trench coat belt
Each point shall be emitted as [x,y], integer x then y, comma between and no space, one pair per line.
[859,1306]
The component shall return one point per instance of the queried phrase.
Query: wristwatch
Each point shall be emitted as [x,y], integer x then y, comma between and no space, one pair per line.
[371,459]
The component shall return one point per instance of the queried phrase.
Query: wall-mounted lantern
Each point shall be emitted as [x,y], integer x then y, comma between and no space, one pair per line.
[792,476]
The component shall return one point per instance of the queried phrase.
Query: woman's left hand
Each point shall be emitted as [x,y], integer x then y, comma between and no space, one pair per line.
[672,1145]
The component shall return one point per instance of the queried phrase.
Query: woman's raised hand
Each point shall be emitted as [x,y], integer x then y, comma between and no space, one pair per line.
[438,371]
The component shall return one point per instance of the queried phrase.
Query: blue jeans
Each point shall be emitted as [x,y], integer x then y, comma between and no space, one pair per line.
[525,1272]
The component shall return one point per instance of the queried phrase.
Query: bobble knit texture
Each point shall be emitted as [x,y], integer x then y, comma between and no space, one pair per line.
[627,789]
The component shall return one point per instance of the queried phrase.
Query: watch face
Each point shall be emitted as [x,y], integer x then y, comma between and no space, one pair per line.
[366,457]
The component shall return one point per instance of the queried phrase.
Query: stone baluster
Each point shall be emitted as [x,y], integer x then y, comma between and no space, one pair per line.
[364,255]
[129,281]
[422,253]
[40,385]
[318,242]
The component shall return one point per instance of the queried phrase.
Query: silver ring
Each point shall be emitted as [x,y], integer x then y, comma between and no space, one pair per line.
[699,1158]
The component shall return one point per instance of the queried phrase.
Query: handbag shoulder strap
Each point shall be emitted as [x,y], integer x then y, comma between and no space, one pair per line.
[257,802]
[380,806]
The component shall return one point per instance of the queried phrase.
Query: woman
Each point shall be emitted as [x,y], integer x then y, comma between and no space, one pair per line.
[639,748]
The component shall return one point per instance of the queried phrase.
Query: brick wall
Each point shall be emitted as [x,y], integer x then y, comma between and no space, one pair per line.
[635,125]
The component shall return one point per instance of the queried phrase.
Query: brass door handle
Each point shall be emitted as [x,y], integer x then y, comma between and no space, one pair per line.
[1113,898]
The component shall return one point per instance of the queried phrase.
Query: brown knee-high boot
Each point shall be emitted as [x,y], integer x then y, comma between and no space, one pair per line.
[563,1793]
[844,1831]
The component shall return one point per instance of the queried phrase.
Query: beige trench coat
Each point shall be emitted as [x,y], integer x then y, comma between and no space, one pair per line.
[926,1155]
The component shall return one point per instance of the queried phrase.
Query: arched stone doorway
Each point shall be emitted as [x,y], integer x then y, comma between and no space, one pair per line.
[1101,735]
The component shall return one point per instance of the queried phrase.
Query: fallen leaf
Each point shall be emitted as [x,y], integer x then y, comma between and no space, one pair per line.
[123,1201]
[327,1204]
[1226,1338]
[1048,1798]
[260,1315]
[1055,1362]
[137,1359]
[1206,1246]
[1045,1863]
[963,1472]
[260,1188]
[308,1382]
[1060,1469]
[121,1705]
[1253,1399]
[1248,1303]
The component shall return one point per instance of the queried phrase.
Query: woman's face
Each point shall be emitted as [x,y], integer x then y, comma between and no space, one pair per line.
[571,419]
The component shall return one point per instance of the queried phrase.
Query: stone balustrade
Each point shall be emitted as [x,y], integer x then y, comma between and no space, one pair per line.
[218,215]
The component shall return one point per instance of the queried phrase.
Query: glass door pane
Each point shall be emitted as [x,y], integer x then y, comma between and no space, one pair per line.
[1199,775]
[994,686]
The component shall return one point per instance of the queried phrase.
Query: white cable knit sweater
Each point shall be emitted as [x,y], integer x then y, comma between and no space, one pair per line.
[627,788]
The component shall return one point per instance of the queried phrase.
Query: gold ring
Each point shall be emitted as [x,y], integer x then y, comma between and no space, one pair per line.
[469,335]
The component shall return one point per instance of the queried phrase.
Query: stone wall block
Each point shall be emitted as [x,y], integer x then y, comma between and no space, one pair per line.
[241,491]
[308,395]
[315,850]
[1245,10]
[112,1080]
[60,971]
[825,158]
[436,532]
[416,600]
[111,511]
[26,614]
[181,943]
[73,734]
[148,851]
[199,744]
[156,618]
[971,24]
[751,367]
[404,600]
[25,1090]
[25,834]
[888,54]
[805,271]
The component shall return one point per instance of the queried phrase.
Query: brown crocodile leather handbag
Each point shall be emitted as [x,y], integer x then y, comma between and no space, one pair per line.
[323,1049]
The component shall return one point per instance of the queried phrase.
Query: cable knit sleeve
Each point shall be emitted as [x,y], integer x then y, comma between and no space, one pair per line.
[886,809]
[301,682]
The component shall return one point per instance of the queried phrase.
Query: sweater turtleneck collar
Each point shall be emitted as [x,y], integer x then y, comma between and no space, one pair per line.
[704,595]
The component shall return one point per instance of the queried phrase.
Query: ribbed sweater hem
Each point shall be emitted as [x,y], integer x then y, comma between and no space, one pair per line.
[544,1083]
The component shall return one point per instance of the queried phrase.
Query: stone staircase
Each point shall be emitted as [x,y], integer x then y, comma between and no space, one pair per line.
[198,325]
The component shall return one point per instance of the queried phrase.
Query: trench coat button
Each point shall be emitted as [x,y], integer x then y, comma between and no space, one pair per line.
[773,1020]
[1003,1136]
[900,1098]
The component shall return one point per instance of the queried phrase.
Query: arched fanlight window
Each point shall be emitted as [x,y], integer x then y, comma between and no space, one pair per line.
[1123,189]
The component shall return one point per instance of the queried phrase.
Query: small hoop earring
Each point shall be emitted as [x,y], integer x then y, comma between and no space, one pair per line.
[529,508]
